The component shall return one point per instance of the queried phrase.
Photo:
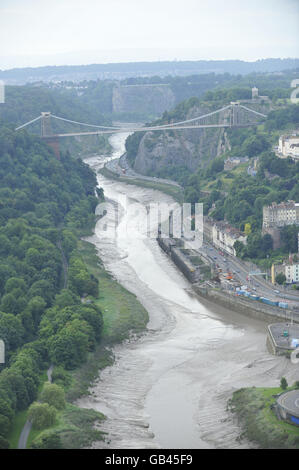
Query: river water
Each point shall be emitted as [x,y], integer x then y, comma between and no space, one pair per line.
[169,388]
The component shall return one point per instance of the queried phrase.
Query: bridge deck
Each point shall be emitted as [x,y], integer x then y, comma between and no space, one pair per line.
[146,129]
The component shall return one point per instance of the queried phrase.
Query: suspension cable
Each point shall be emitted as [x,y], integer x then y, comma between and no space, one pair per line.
[253,111]
[193,119]
[83,123]
[124,129]
[27,123]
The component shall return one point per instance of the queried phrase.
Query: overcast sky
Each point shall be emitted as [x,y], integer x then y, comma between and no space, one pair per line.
[55,32]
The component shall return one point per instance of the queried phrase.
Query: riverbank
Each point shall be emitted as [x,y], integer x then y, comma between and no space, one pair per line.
[215,295]
[260,312]
[74,428]
[244,306]
[174,191]
[196,270]
[258,421]
[123,316]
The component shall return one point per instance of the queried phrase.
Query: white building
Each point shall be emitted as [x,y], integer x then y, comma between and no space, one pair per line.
[292,273]
[279,215]
[224,237]
[288,146]
[255,92]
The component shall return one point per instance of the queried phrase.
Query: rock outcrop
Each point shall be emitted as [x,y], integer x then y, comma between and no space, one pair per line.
[190,148]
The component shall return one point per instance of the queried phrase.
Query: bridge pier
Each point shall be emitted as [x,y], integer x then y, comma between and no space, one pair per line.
[47,134]
[53,142]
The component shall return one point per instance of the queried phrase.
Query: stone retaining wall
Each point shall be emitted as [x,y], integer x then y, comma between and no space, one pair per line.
[247,307]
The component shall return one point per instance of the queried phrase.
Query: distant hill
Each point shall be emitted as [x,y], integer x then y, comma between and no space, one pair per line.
[121,71]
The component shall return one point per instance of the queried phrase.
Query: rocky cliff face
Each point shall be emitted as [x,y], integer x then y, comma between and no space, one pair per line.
[148,99]
[190,148]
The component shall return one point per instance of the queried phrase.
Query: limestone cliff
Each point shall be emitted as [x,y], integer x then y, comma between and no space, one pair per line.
[190,148]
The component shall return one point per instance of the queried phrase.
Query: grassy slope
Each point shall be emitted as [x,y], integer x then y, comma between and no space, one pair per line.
[75,426]
[122,312]
[258,420]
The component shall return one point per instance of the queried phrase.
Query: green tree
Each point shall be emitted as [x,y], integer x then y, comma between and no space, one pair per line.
[69,242]
[61,376]
[65,298]
[247,229]
[53,395]
[280,278]
[283,383]
[11,304]
[240,248]
[50,440]
[267,243]
[11,331]
[289,238]
[41,415]
[15,283]
[254,145]
[14,381]
[4,443]
[4,425]
[36,306]
[69,347]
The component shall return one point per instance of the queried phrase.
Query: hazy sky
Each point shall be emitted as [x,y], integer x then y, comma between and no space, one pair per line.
[41,32]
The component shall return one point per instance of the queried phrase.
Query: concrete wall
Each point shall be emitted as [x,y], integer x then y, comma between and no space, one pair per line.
[272,346]
[275,234]
[191,272]
[244,306]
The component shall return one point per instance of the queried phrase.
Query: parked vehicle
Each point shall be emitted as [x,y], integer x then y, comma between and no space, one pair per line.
[283,305]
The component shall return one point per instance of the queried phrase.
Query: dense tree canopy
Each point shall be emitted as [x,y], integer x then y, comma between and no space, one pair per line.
[44,203]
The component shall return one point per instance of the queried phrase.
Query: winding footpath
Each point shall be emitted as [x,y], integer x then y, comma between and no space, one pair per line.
[28,425]
[22,444]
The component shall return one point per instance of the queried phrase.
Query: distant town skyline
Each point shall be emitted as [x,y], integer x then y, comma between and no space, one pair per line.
[69,32]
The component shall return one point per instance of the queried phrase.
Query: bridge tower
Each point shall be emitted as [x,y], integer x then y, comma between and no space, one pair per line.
[234,114]
[47,134]
[46,129]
